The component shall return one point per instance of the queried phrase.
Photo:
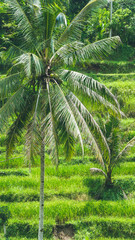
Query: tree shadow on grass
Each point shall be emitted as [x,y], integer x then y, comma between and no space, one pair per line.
[117,191]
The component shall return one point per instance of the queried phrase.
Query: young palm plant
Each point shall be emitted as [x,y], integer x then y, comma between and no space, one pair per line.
[111,132]
[41,93]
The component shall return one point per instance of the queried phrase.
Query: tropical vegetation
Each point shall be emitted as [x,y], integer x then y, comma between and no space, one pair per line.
[51,100]
[111,130]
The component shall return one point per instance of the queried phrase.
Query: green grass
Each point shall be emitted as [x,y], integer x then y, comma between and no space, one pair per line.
[108,67]
[126,168]
[114,77]
[66,177]
[62,187]
[61,184]
[18,172]
[66,210]
[106,226]
[124,86]
[70,199]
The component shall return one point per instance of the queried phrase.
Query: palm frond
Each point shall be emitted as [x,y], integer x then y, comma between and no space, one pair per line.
[98,170]
[14,105]
[97,134]
[9,84]
[74,30]
[33,141]
[22,20]
[67,53]
[91,87]
[64,113]
[12,52]
[128,145]
[52,129]
[51,140]
[31,63]
[77,51]
[85,129]
[99,49]
[67,140]
[111,124]
[16,129]
[33,138]
[49,13]
[35,5]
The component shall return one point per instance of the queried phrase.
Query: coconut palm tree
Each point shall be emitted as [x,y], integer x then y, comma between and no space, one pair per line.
[41,92]
[111,132]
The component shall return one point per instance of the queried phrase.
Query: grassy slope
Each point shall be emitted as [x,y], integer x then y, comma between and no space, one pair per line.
[66,202]
[70,191]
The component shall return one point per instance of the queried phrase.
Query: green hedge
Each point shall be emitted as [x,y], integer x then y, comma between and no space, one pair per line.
[107,66]
[67,210]
[5,214]
[14,173]
[19,196]
[114,77]
[26,229]
[109,227]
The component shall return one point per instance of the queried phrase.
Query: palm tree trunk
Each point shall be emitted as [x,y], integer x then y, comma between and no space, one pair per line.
[108,181]
[7,161]
[41,208]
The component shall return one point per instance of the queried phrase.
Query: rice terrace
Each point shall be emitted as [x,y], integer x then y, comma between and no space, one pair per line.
[67,120]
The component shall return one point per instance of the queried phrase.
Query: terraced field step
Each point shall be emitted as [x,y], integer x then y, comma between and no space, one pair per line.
[123,85]
[64,184]
[107,67]
[66,210]
[66,170]
[109,227]
[114,77]
[56,188]
[33,195]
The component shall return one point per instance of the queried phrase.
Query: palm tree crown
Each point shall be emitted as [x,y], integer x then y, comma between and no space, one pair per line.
[39,70]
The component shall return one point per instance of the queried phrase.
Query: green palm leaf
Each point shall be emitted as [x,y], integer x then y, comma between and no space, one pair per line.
[64,113]
[33,141]
[86,130]
[128,145]
[14,105]
[67,140]
[9,84]
[77,51]
[99,49]
[16,129]
[100,141]
[52,130]
[22,20]
[91,87]
[31,63]
[33,137]
[67,53]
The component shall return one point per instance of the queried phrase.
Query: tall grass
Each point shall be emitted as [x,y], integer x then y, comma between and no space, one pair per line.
[65,210]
